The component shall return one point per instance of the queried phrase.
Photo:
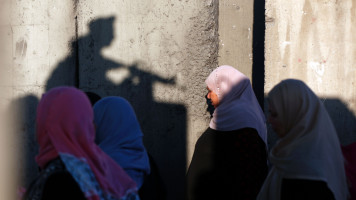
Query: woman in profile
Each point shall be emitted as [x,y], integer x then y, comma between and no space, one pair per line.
[118,134]
[307,160]
[230,157]
[72,165]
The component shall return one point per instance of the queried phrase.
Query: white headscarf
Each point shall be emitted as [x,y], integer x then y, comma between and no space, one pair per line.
[238,107]
[310,149]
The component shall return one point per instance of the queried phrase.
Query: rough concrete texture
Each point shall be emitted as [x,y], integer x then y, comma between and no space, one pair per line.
[235,34]
[155,53]
[8,161]
[314,41]
[34,38]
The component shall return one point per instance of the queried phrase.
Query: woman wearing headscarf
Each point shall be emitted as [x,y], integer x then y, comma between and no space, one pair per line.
[307,160]
[72,165]
[230,157]
[118,134]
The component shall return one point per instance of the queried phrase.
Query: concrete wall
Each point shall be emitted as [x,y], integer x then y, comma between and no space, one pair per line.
[34,37]
[8,181]
[235,34]
[241,39]
[155,53]
[314,41]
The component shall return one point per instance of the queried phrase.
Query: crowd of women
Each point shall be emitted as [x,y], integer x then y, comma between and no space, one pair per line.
[97,152]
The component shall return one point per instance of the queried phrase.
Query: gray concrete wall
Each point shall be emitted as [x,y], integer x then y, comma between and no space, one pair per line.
[155,53]
[235,34]
[8,181]
[314,41]
[34,37]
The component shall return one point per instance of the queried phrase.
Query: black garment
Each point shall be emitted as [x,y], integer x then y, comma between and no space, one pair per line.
[227,165]
[53,183]
[93,97]
[153,187]
[305,189]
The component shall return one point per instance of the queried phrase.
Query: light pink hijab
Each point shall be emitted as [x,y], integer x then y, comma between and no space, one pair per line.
[65,129]
[238,107]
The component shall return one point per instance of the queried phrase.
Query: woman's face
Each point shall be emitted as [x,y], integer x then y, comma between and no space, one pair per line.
[275,122]
[213,97]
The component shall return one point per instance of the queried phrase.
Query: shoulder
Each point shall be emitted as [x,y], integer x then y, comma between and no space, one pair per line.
[209,131]
[35,189]
[249,134]
[246,134]
[208,135]
[61,185]
[54,182]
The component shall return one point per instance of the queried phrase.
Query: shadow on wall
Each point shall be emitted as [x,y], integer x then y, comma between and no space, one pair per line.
[21,116]
[258,65]
[163,124]
[344,121]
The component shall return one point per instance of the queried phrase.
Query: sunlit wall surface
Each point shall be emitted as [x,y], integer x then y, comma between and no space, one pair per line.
[155,53]
[314,41]
[236,34]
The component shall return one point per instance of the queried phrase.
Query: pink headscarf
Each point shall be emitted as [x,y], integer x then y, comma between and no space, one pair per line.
[349,153]
[238,107]
[65,127]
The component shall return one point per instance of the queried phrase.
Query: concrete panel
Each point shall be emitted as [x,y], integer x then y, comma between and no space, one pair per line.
[235,34]
[8,158]
[21,113]
[62,32]
[8,179]
[157,55]
[314,41]
[5,12]
[34,38]
[30,54]
[29,12]
[6,60]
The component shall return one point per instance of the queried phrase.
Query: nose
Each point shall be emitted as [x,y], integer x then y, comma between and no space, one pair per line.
[208,95]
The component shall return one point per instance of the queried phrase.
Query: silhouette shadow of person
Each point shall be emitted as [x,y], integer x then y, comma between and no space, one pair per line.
[163,124]
[85,57]
[21,120]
